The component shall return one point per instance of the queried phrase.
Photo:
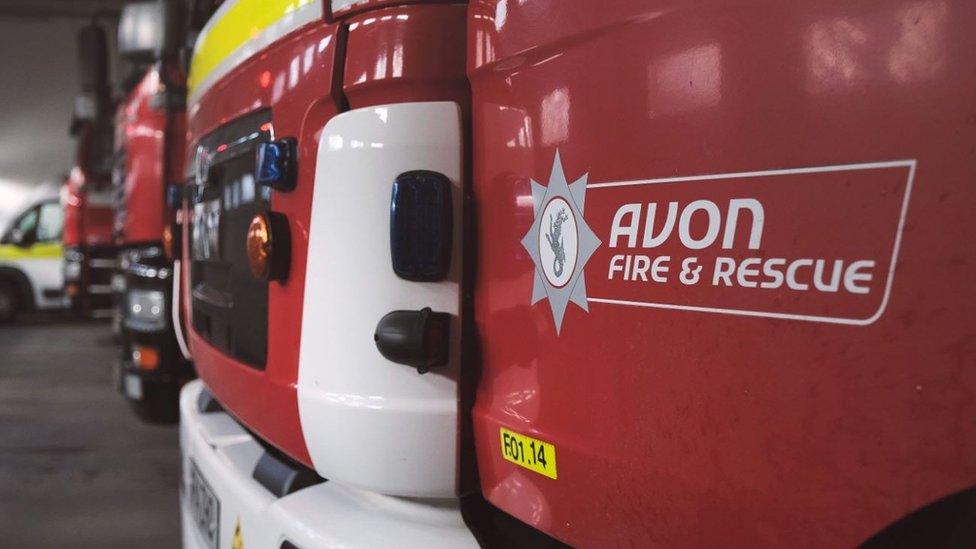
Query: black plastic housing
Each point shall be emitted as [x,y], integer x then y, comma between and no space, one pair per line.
[420,339]
[276,164]
[421,226]
[93,66]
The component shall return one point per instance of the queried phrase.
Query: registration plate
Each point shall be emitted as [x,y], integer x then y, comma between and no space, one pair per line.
[531,453]
[133,386]
[204,507]
[206,230]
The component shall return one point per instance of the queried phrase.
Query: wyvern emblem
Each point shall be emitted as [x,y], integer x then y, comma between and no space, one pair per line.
[560,242]
[556,241]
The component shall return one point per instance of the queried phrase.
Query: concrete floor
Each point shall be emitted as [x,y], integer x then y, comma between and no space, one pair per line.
[77,468]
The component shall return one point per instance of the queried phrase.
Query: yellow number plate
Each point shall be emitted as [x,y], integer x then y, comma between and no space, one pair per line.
[531,453]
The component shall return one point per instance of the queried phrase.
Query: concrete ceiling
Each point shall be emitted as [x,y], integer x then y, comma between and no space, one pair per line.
[46,9]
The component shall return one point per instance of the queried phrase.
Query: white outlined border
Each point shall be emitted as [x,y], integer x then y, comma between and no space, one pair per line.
[910,164]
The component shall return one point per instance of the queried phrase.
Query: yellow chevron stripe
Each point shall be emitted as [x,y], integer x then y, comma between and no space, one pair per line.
[234,25]
[37,251]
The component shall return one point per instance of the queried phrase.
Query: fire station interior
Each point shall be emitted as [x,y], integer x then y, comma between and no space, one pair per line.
[78,468]
[487,273]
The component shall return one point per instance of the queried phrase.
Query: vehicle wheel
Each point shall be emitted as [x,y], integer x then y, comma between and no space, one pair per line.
[160,403]
[8,302]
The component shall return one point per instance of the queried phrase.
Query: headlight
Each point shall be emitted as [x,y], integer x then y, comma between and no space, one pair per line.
[145,310]
[72,270]
[73,259]
[118,283]
[267,246]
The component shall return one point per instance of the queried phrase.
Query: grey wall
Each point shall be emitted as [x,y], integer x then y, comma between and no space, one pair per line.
[38,79]
[38,83]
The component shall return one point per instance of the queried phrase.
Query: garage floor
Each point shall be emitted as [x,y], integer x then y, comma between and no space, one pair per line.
[77,469]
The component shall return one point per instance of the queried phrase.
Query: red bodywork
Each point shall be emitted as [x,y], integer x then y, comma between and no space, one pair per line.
[688,425]
[85,224]
[152,141]
[694,428]
[266,401]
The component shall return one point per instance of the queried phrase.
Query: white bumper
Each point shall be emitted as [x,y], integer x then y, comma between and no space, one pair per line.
[324,515]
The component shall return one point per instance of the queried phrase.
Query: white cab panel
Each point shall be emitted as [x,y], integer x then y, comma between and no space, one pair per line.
[368,422]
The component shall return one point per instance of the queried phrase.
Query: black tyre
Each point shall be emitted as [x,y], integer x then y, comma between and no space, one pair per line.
[8,302]
[160,403]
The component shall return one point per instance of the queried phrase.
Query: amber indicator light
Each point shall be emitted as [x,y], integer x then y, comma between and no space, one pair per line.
[171,241]
[259,246]
[267,246]
[146,358]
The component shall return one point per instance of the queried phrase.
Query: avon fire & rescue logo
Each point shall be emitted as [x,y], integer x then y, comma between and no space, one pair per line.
[816,244]
[560,242]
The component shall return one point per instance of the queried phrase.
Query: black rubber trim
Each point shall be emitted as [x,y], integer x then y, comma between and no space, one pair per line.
[944,524]
[493,527]
[169,99]
[282,477]
[206,403]
[21,285]
[339,68]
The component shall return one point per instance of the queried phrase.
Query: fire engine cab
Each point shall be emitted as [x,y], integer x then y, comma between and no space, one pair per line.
[546,272]
[89,252]
[149,149]
[88,248]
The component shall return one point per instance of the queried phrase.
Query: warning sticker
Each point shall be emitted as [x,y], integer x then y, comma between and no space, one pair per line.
[814,244]
[531,453]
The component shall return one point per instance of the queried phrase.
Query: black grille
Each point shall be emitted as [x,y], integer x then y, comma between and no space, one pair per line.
[102,262]
[230,306]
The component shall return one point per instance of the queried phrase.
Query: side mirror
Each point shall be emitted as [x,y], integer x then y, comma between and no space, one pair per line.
[96,95]
[100,155]
[95,146]
[141,32]
[150,30]
[174,26]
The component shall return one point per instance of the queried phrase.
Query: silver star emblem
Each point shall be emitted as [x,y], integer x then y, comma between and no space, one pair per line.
[560,242]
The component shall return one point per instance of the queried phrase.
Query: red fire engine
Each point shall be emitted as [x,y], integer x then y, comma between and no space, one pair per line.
[89,253]
[87,241]
[596,273]
[149,149]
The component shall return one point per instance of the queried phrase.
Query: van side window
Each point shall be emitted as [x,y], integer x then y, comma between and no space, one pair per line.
[51,222]
[23,228]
